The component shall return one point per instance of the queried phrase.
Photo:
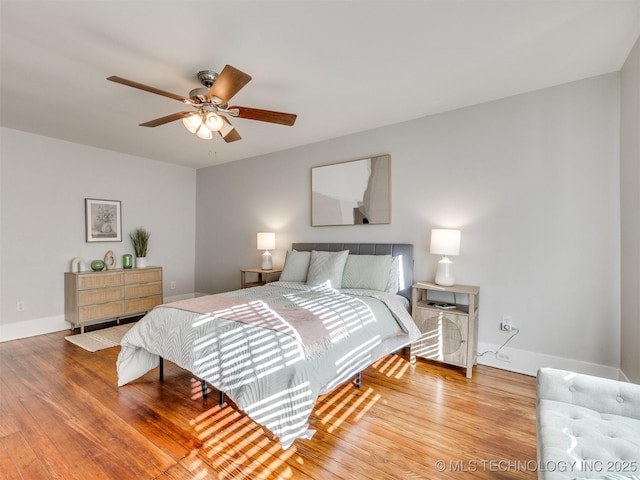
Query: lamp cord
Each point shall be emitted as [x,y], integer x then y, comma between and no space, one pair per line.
[515,332]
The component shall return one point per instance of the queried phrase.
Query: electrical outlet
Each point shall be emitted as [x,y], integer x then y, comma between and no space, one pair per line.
[502,356]
[20,306]
[507,323]
[173,285]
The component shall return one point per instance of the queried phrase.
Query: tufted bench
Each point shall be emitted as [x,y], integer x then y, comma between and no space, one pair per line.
[588,427]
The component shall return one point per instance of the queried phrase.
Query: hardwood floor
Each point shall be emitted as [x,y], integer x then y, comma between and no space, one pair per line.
[63,417]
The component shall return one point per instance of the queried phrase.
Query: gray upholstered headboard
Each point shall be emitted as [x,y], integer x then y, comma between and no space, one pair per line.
[405,250]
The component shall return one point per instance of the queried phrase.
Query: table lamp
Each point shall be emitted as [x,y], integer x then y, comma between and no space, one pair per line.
[266,242]
[445,242]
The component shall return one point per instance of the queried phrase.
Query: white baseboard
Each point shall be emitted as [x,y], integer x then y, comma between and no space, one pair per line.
[175,298]
[42,326]
[31,328]
[623,377]
[528,363]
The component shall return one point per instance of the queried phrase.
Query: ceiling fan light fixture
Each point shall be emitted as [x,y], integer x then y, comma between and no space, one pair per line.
[214,122]
[204,133]
[192,123]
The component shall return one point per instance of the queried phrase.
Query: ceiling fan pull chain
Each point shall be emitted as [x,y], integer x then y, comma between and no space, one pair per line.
[215,147]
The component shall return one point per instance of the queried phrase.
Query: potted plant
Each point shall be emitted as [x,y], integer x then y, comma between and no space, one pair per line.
[140,241]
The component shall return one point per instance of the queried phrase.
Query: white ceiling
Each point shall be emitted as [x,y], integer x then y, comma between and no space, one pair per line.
[343,67]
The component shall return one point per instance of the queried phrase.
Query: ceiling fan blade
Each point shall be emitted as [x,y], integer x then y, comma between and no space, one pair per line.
[169,118]
[265,115]
[147,88]
[228,132]
[228,83]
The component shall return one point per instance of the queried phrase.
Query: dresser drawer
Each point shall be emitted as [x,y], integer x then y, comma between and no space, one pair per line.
[143,290]
[139,305]
[100,280]
[100,311]
[143,275]
[102,295]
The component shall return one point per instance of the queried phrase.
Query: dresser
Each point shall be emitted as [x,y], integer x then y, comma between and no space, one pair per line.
[96,296]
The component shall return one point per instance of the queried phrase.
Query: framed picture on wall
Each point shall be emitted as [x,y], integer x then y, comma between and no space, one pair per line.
[103,220]
[357,192]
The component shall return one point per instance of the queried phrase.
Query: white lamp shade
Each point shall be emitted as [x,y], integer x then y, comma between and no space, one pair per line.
[445,242]
[192,122]
[204,133]
[266,241]
[214,122]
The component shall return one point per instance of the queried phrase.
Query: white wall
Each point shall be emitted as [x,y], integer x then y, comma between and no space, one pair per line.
[43,186]
[630,214]
[531,180]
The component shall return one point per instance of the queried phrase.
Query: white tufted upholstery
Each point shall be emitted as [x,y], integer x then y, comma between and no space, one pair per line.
[588,427]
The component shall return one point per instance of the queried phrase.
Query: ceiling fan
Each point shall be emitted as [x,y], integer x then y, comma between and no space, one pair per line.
[210,102]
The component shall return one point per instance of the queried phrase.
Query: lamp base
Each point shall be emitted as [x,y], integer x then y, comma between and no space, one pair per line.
[444,274]
[266,261]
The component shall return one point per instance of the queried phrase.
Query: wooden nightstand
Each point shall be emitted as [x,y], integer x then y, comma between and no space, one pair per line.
[264,276]
[448,335]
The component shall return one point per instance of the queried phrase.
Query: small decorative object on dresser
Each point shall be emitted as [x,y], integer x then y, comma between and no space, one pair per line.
[110,260]
[140,241]
[264,276]
[78,265]
[127,260]
[449,329]
[97,265]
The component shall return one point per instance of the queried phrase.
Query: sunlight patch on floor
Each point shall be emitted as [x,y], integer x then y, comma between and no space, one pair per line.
[344,403]
[392,366]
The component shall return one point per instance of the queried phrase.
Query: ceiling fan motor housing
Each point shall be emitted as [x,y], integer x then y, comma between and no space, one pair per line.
[207,77]
[199,94]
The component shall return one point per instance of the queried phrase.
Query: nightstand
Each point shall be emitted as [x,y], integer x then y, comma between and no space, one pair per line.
[449,335]
[264,276]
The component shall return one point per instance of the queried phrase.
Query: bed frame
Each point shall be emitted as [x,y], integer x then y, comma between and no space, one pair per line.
[403,250]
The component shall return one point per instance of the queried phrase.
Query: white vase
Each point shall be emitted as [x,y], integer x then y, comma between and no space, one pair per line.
[141,262]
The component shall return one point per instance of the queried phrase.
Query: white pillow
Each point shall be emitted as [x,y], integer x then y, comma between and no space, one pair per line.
[296,266]
[395,274]
[327,267]
[367,271]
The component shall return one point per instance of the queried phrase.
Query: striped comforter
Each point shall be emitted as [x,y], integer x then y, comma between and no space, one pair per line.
[272,373]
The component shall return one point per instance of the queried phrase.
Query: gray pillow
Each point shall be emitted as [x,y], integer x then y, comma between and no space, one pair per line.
[367,271]
[327,267]
[296,266]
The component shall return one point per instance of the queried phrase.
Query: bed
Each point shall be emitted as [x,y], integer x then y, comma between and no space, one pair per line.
[274,349]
